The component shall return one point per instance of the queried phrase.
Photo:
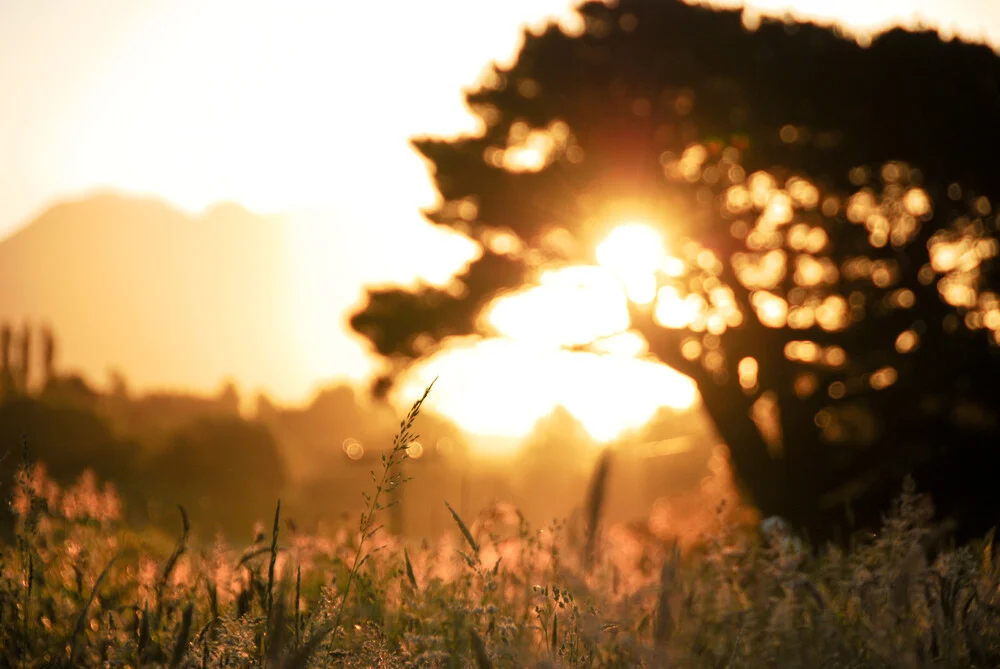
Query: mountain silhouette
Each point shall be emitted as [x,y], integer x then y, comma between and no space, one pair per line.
[171,300]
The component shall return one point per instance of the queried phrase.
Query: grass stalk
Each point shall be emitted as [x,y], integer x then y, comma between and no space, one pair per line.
[401,442]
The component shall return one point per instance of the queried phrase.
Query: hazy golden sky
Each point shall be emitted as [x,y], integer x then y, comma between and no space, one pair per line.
[307,107]
[274,105]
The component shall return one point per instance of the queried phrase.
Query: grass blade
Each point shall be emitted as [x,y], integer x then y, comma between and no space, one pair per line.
[298,595]
[465,530]
[663,621]
[367,525]
[172,560]
[81,621]
[409,570]
[180,646]
[479,650]
[143,641]
[595,502]
[274,558]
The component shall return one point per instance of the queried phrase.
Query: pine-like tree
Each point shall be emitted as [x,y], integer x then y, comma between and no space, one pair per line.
[24,371]
[6,373]
[48,356]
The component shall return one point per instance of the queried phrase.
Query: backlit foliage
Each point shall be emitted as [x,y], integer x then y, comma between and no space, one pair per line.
[79,588]
[824,226]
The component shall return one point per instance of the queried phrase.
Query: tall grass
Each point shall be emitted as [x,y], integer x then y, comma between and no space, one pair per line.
[79,588]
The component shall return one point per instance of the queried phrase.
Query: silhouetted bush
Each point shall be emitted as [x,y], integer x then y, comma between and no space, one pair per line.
[68,439]
[226,471]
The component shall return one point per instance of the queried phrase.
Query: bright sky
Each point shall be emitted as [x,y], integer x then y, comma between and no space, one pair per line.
[308,106]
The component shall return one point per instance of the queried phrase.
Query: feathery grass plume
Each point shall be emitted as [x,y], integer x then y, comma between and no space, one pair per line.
[465,530]
[168,568]
[746,600]
[181,644]
[596,492]
[367,524]
[81,621]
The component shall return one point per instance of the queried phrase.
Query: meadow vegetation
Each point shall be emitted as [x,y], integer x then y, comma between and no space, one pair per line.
[79,588]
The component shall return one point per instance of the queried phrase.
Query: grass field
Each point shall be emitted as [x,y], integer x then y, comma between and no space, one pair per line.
[80,589]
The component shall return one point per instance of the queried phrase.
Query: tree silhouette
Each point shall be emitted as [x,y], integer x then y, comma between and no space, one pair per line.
[6,372]
[832,204]
[48,355]
[24,370]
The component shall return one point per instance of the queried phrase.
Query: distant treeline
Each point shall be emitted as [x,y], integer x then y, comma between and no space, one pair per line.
[228,468]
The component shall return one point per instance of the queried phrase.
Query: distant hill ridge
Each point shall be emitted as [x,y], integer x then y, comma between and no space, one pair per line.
[170,299]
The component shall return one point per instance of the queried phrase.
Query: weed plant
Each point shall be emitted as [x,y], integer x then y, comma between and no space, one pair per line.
[80,589]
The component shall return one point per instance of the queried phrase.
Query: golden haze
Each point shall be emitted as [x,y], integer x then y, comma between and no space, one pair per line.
[204,102]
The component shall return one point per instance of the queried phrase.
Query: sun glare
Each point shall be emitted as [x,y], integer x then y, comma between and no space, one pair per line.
[634,251]
[529,371]
[183,101]
[573,305]
[502,387]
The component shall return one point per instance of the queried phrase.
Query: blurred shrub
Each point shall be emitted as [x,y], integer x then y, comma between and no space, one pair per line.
[226,471]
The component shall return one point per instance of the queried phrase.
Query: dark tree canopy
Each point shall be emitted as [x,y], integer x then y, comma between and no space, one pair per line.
[834,207]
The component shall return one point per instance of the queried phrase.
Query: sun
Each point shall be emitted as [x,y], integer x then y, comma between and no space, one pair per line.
[502,385]
[635,252]
[632,246]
